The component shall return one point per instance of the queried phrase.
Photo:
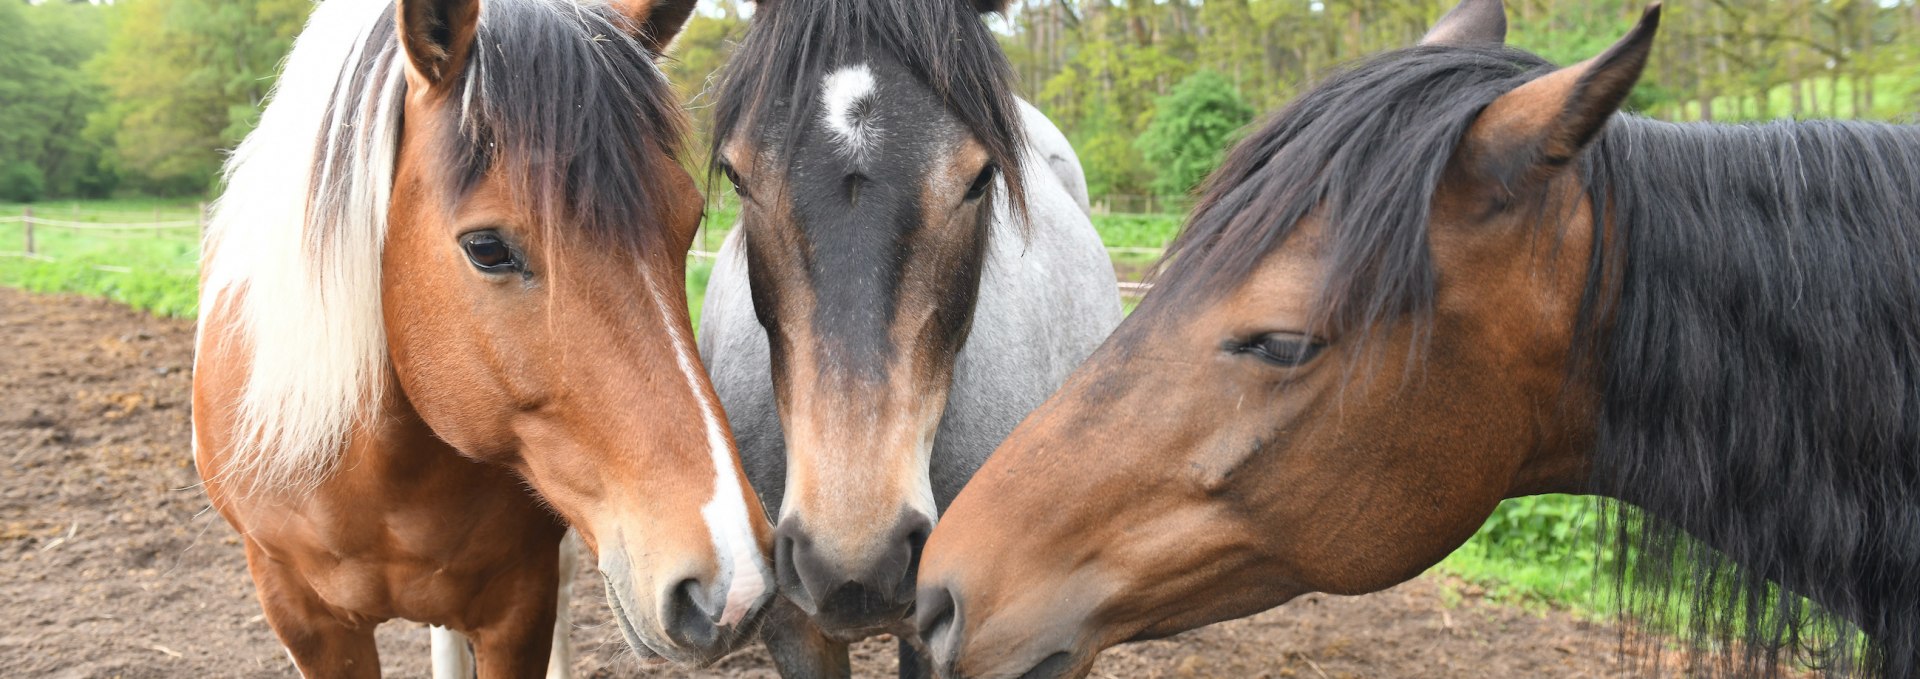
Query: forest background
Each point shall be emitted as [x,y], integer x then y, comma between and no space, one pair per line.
[143,97]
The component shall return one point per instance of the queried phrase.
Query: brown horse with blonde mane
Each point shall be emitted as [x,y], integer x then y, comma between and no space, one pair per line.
[449,266]
[1453,274]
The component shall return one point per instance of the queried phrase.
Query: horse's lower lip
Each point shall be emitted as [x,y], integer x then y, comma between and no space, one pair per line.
[648,654]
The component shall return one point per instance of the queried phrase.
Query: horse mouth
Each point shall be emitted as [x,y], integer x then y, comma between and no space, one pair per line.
[647,654]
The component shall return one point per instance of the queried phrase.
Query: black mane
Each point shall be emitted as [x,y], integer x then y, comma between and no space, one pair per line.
[791,44]
[1754,324]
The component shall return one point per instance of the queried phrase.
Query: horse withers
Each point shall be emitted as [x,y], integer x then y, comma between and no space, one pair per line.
[910,276]
[448,266]
[1454,274]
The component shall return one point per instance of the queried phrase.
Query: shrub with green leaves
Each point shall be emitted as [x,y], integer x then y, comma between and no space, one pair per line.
[1191,129]
[22,182]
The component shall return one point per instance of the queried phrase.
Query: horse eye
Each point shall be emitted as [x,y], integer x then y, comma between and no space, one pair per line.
[739,187]
[981,182]
[488,253]
[1283,349]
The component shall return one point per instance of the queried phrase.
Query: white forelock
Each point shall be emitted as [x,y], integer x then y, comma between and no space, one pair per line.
[308,318]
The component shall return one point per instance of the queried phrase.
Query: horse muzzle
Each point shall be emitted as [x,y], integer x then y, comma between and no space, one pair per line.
[1040,649]
[842,594]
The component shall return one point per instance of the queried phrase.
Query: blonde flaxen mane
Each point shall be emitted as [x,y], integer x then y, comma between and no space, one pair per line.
[305,300]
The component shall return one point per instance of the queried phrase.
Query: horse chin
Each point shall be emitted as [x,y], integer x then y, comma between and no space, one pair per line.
[642,650]
[651,651]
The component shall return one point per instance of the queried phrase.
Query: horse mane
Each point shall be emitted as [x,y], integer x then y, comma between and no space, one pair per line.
[791,44]
[1761,384]
[575,107]
[1751,323]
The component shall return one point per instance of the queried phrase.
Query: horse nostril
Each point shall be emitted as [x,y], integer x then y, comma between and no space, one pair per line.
[786,572]
[912,532]
[938,619]
[689,624]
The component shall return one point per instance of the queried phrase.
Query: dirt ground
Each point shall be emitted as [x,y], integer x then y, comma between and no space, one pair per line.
[112,565]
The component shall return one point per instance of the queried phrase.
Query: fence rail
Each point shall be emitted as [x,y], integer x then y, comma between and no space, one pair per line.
[1124,204]
[28,222]
[103,226]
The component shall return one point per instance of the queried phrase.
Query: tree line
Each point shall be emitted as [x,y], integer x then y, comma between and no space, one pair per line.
[1108,70]
[145,96]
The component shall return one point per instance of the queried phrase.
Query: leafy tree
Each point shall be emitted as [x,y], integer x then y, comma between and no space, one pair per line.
[188,78]
[695,60]
[1191,129]
[47,97]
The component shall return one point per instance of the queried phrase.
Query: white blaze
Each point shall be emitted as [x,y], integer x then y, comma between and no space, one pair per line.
[726,513]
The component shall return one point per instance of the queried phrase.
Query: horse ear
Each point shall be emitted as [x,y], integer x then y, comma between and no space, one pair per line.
[1472,22]
[1545,123]
[437,36]
[656,22]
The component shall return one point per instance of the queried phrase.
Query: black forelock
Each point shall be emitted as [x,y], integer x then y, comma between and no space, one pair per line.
[578,108]
[1364,150]
[772,79]
[1751,318]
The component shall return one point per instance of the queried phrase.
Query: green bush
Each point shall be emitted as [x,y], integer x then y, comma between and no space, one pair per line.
[22,182]
[1543,548]
[1191,129]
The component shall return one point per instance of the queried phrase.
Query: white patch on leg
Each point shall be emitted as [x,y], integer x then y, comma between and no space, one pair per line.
[840,95]
[452,654]
[560,661]
[741,568]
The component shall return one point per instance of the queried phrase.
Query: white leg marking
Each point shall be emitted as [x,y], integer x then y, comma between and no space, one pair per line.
[560,662]
[452,654]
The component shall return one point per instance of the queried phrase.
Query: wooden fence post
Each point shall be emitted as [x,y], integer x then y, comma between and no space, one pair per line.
[200,221]
[26,220]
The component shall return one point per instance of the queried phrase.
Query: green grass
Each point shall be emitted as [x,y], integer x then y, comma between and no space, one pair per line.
[150,270]
[1541,550]
[1137,231]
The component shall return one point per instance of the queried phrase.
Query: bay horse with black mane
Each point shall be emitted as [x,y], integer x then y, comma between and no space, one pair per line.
[448,266]
[1453,274]
[914,270]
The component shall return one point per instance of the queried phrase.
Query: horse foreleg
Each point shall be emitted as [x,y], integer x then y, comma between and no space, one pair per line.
[800,650]
[321,645]
[516,638]
[452,654]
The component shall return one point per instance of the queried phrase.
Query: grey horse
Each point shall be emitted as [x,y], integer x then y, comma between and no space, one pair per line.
[914,271]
